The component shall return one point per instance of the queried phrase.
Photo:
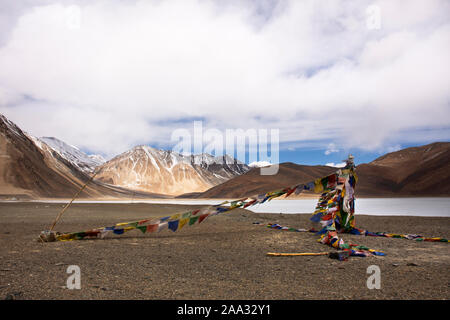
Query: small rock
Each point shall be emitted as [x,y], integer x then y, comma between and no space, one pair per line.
[395,264]
[412,264]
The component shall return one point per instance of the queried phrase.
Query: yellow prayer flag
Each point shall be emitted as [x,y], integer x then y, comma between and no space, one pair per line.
[318,187]
[122,224]
[182,223]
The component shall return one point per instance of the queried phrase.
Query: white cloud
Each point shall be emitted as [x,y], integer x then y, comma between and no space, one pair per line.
[336,165]
[331,149]
[312,69]
[259,164]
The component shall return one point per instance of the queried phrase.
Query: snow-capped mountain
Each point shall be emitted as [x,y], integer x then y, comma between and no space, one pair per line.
[75,156]
[148,169]
[259,164]
[221,166]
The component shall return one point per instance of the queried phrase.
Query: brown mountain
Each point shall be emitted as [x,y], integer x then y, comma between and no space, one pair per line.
[417,171]
[30,169]
[253,182]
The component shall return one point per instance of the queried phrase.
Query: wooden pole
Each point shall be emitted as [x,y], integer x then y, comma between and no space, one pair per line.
[275,254]
[68,205]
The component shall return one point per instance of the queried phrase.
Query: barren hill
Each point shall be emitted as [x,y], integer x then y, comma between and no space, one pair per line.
[416,171]
[253,182]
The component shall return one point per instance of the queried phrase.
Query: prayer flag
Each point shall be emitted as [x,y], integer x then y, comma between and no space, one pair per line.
[173,225]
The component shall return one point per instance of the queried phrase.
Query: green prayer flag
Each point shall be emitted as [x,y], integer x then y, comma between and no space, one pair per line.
[186,215]
[193,220]
[142,228]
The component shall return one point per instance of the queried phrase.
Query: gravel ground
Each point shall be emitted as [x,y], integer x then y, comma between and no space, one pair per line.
[222,258]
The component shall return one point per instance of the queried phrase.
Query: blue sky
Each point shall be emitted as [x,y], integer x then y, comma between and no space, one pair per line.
[365,77]
[313,157]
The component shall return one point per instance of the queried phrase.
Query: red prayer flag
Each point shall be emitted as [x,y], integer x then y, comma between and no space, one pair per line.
[249,203]
[202,217]
[152,227]
[290,191]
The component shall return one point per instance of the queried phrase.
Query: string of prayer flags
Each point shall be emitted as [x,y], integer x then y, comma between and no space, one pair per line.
[173,222]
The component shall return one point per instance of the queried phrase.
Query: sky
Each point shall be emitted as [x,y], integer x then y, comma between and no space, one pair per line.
[334,77]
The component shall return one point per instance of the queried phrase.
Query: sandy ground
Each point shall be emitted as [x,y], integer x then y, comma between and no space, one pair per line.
[222,258]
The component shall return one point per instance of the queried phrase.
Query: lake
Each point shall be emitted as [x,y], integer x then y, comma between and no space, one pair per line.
[427,207]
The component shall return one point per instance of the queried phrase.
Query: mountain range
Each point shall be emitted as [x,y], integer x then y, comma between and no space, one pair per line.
[32,167]
[415,171]
[167,172]
[29,168]
[47,167]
